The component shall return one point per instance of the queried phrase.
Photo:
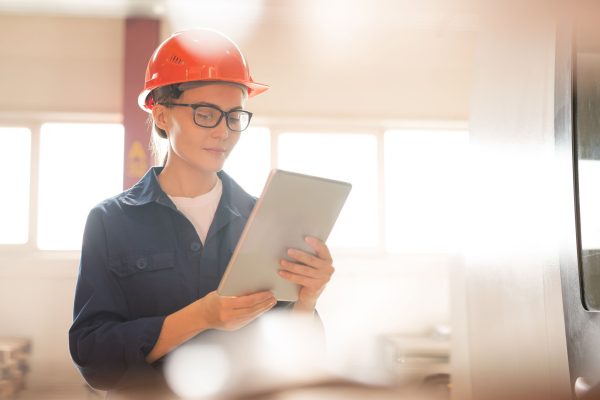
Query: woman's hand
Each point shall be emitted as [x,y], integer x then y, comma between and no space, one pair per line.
[210,312]
[231,313]
[311,272]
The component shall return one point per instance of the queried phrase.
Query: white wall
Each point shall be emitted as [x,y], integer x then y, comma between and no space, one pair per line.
[36,298]
[71,65]
[61,64]
[74,64]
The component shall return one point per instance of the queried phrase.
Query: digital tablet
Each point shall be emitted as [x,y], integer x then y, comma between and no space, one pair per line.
[291,207]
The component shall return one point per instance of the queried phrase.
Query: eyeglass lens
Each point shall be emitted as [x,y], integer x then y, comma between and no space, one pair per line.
[237,120]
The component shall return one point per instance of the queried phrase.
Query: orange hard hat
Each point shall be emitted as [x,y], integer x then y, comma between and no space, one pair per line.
[197,55]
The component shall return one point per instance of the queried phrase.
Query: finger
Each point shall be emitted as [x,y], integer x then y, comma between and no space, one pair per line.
[257,296]
[263,307]
[248,300]
[307,259]
[301,280]
[245,319]
[256,308]
[307,271]
[320,248]
[262,294]
[255,304]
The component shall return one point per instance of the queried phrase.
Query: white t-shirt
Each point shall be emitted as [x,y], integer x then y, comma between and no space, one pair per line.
[200,210]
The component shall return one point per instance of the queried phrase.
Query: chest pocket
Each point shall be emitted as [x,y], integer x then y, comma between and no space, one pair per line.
[145,263]
[151,283]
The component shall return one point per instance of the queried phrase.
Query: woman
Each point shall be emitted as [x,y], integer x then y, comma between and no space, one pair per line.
[153,256]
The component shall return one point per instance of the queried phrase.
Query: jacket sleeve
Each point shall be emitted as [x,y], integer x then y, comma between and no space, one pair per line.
[288,306]
[105,343]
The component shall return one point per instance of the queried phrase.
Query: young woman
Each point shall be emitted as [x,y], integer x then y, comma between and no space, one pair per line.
[153,256]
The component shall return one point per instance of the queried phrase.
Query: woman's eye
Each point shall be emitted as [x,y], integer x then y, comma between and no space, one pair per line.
[204,115]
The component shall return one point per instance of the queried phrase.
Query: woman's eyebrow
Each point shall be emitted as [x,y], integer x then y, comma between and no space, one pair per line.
[205,103]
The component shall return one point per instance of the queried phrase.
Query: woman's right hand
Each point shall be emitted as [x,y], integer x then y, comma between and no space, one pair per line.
[233,312]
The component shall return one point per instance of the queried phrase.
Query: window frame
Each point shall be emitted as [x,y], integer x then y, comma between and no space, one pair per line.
[17,247]
[377,127]
[28,252]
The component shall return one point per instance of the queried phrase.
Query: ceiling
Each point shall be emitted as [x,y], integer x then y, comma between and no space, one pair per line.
[108,8]
[439,15]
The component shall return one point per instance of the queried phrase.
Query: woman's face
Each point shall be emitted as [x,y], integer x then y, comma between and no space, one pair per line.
[203,149]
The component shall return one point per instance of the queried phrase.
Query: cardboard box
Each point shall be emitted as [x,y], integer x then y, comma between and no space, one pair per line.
[8,389]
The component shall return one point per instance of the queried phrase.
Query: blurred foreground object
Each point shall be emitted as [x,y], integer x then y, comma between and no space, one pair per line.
[284,356]
[276,351]
[14,353]
[418,359]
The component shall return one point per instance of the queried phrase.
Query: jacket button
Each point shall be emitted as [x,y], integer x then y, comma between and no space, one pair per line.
[195,246]
[141,263]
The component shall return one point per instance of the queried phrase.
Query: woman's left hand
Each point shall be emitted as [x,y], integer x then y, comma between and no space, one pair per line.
[311,272]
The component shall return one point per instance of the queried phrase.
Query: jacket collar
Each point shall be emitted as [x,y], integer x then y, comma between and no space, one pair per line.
[235,202]
[146,190]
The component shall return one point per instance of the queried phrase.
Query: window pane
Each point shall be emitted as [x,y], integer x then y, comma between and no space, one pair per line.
[15,177]
[347,157]
[424,183]
[80,165]
[250,161]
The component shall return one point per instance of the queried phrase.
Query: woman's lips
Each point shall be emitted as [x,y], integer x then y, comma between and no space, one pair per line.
[216,150]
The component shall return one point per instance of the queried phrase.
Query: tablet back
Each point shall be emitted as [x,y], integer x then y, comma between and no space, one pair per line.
[291,207]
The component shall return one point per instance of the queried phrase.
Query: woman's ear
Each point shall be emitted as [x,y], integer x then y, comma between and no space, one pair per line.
[160,116]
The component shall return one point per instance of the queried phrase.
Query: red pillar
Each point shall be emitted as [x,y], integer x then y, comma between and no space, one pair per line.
[141,38]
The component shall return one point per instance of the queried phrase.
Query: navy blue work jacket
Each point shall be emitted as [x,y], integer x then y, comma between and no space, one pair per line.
[142,260]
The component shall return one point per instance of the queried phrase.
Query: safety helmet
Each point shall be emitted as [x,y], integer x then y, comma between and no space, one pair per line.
[196,55]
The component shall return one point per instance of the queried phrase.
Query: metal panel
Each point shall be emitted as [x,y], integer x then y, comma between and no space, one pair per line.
[582,327]
[515,322]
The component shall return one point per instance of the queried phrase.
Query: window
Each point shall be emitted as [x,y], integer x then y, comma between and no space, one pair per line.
[15,177]
[80,165]
[406,194]
[350,157]
[424,186]
[250,161]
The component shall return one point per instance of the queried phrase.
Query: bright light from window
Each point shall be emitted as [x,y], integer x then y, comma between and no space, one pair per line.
[80,165]
[14,204]
[346,157]
[250,161]
[424,185]
[589,203]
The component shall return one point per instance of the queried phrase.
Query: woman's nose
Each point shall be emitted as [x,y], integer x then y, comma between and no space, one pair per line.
[221,130]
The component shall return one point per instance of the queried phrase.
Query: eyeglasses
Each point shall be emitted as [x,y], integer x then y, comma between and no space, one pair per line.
[208,116]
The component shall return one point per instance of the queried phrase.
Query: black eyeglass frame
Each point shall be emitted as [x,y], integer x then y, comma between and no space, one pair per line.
[223,114]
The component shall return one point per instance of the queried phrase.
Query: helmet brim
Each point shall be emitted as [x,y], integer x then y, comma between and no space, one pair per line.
[254,89]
